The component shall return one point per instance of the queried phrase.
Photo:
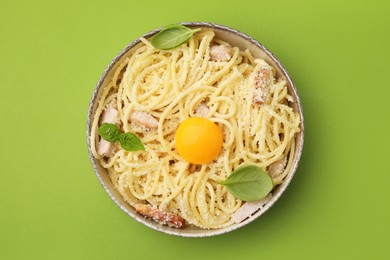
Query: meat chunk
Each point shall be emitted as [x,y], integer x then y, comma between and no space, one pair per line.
[110,115]
[263,81]
[202,110]
[105,148]
[164,218]
[220,53]
[277,168]
[249,208]
[144,119]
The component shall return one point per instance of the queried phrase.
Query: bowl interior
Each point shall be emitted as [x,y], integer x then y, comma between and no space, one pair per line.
[235,38]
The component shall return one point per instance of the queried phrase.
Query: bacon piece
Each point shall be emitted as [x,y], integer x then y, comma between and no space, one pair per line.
[220,53]
[143,119]
[202,110]
[263,80]
[277,168]
[110,115]
[249,208]
[164,218]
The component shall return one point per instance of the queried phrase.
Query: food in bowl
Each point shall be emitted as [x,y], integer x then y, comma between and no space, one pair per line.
[195,131]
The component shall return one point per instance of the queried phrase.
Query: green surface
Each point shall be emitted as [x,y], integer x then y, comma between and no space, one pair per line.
[52,55]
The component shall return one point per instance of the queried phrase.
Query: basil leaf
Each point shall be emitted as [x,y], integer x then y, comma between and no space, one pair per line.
[248,183]
[130,142]
[109,132]
[172,36]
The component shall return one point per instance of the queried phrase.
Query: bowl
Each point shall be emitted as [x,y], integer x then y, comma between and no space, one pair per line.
[235,38]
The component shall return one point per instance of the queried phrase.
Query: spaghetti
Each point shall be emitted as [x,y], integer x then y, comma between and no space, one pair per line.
[240,94]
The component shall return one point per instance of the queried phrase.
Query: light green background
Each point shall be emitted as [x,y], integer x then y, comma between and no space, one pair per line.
[52,54]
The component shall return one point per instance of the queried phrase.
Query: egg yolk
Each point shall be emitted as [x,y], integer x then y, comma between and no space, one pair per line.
[198,140]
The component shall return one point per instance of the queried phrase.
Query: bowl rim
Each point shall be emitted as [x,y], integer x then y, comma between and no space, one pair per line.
[275,196]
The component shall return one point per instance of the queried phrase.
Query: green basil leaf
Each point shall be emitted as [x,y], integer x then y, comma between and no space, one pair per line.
[109,132]
[248,183]
[172,36]
[130,142]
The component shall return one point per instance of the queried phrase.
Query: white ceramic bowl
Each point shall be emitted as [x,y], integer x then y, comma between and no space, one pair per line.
[235,38]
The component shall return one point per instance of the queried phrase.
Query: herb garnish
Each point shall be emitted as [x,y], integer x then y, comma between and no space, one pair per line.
[128,141]
[172,36]
[248,183]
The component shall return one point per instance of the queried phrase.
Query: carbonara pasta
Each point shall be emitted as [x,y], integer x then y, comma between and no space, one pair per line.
[152,91]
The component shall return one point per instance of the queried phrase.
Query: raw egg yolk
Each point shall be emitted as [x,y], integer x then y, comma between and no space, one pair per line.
[198,140]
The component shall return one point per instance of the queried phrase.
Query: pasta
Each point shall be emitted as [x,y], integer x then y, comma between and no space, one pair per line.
[240,94]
